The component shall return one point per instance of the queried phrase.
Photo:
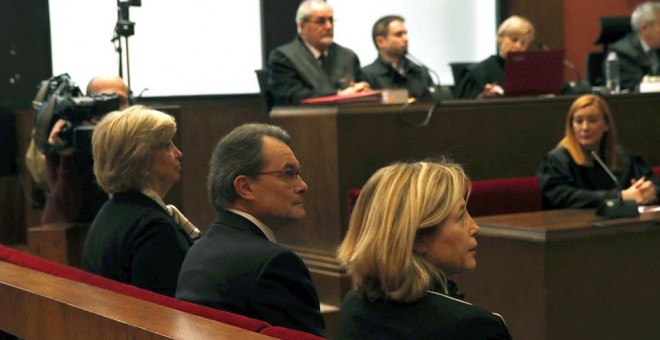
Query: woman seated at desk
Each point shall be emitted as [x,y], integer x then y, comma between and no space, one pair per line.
[486,78]
[570,176]
[408,230]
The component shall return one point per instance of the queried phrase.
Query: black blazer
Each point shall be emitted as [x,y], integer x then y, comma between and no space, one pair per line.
[294,74]
[133,240]
[634,63]
[417,80]
[435,316]
[235,268]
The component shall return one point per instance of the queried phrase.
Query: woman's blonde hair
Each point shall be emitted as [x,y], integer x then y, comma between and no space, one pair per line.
[609,142]
[123,145]
[515,25]
[396,204]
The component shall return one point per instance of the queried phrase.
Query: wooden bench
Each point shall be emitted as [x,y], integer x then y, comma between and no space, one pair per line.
[42,299]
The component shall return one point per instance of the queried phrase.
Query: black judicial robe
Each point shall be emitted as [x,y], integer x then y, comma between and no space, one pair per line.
[565,184]
[478,75]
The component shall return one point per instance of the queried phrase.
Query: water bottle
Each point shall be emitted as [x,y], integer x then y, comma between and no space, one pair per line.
[612,78]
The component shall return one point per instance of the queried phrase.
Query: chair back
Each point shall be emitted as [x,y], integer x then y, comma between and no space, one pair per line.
[458,70]
[264,90]
[612,29]
[594,68]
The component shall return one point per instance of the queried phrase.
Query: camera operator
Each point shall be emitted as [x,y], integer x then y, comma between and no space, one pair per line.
[73,195]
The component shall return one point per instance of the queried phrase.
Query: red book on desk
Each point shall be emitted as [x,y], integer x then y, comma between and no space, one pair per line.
[362,97]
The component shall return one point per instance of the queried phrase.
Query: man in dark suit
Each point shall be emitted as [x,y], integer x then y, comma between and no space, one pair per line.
[312,65]
[638,51]
[255,185]
[392,69]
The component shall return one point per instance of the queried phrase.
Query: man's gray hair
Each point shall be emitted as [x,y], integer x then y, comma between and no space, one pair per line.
[644,13]
[238,153]
[305,10]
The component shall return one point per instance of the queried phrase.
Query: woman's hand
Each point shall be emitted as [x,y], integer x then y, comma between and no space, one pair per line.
[641,190]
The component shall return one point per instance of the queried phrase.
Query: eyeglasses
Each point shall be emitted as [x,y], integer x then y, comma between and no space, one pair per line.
[322,20]
[286,174]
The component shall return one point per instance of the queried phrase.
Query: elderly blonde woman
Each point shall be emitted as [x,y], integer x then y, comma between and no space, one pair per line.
[136,238]
[410,229]
[481,80]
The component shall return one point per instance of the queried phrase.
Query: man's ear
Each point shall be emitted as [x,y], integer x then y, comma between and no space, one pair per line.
[379,40]
[243,187]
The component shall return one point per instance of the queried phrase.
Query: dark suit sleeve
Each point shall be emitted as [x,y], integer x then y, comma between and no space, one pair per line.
[157,255]
[285,83]
[286,297]
[559,186]
[483,326]
[630,72]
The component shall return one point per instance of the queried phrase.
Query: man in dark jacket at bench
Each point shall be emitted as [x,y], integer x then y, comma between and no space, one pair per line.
[237,266]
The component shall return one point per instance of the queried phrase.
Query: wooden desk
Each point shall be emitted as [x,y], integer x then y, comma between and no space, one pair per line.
[339,147]
[567,274]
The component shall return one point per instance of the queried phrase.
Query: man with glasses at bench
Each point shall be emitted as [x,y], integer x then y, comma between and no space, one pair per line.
[254,183]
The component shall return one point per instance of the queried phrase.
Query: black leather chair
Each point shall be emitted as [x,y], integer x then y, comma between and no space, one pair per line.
[457,71]
[611,30]
[264,90]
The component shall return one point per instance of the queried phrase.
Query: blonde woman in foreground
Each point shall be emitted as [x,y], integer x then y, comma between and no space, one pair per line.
[408,231]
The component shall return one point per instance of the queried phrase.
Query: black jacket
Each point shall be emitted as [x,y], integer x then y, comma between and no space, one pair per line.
[381,75]
[133,240]
[294,74]
[235,268]
[435,316]
[634,63]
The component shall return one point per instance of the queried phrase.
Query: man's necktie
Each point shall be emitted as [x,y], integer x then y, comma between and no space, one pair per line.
[655,63]
[323,61]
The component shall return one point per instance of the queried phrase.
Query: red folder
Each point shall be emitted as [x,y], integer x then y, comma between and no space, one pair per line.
[362,97]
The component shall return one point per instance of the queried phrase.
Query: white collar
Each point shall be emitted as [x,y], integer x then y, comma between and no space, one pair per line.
[645,46]
[316,53]
[263,227]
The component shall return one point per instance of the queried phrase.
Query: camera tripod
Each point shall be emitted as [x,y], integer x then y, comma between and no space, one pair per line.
[124,29]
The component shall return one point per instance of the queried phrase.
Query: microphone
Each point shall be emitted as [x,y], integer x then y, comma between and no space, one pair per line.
[567,63]
[435,78]
[613,208]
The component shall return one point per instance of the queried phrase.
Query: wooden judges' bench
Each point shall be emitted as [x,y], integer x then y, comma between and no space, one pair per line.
[339,147]
[567,274]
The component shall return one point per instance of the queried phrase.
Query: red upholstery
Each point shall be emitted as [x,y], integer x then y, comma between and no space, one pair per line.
[285,333]
[33,262]
[656,171]
[495,196]
[505,196]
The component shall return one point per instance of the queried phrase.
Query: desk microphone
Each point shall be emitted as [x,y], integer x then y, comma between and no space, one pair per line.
[435,78]
[617,207]
[567,63]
